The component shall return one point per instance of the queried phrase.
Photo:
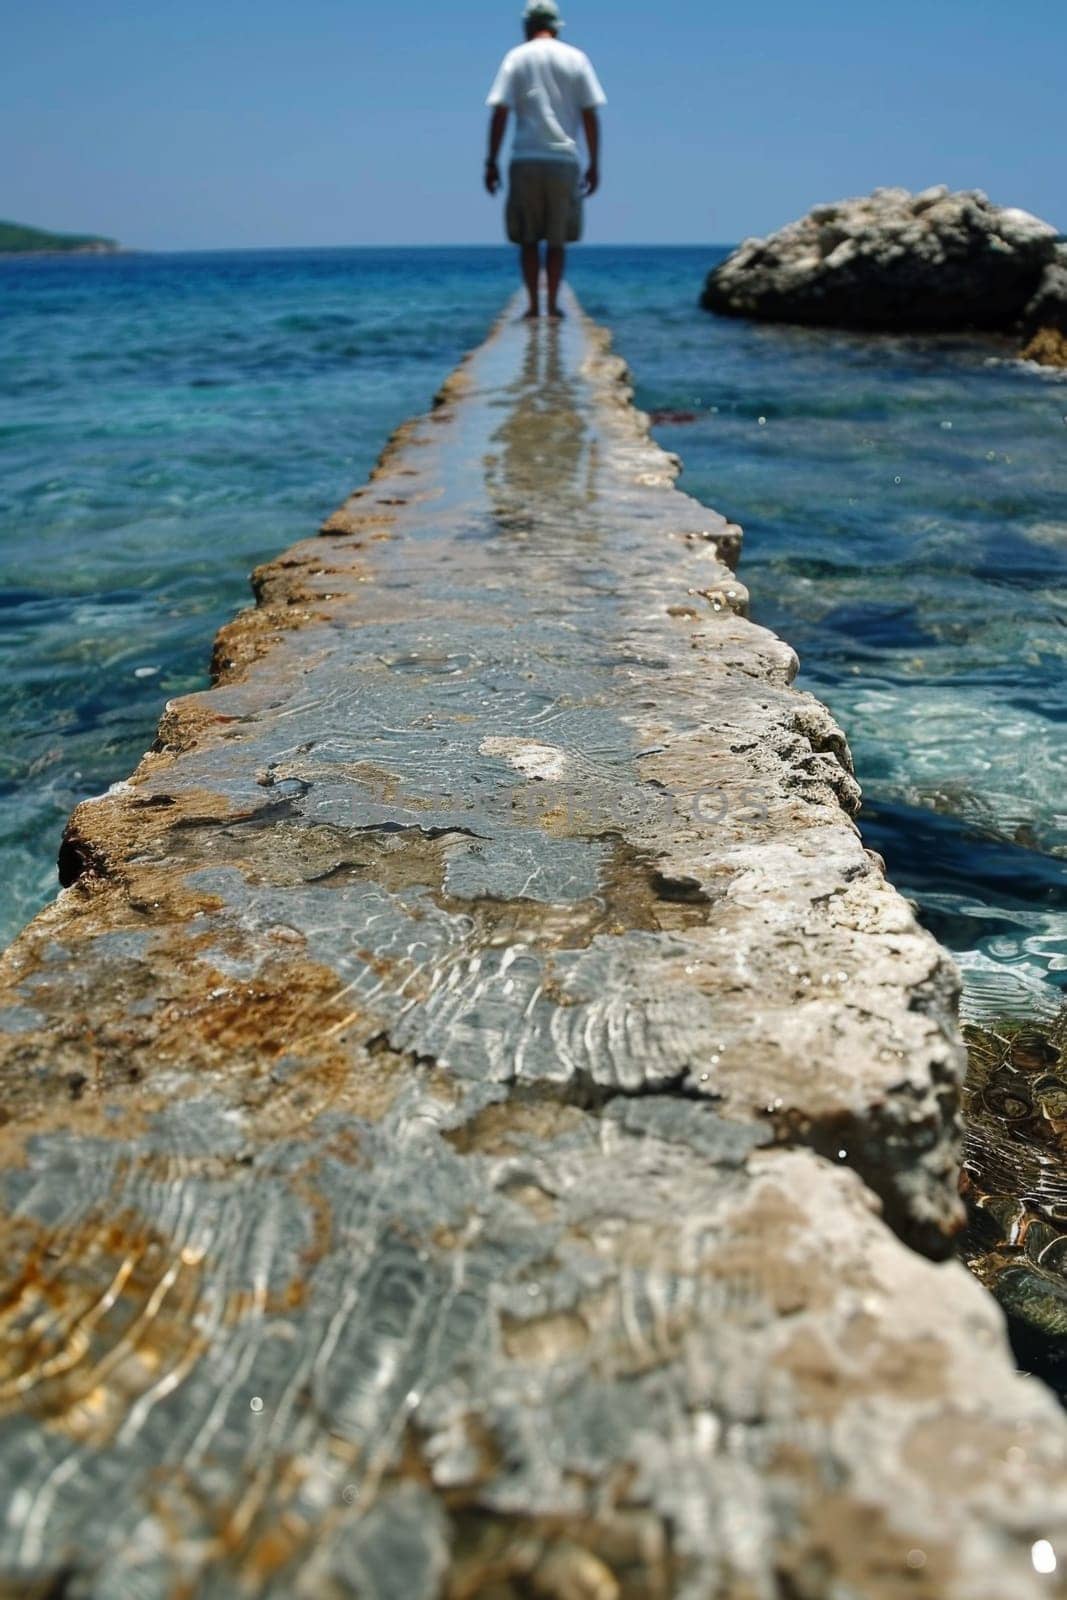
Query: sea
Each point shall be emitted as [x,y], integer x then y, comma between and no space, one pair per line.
[169,420]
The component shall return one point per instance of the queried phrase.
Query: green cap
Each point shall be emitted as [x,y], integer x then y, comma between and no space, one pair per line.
[545,11]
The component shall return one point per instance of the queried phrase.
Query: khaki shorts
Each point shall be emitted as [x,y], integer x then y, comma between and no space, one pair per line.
[544,202]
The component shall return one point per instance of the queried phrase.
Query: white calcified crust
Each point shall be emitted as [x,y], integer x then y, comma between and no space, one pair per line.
[474,1112]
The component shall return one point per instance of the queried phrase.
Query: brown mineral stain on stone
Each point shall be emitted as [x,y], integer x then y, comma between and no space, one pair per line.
[863,1363]
[272,1548]
[353,519]
[95,1315]
[615,1555]
[536,1200]
[505,1128]
[850,1547]
[541,1340]
[104,837]
[965,1449]
[185,723]
[787,1282]
[205,1021]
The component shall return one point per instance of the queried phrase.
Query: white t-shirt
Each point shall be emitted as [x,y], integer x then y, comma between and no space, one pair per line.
[547,85]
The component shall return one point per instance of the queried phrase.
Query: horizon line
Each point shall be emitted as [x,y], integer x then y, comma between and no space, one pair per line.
[502,245]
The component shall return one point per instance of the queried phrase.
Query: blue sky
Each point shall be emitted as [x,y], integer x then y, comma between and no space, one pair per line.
[198,125]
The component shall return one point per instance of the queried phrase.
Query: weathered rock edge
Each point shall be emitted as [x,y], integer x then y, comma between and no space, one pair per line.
[422,1127]
[900,262]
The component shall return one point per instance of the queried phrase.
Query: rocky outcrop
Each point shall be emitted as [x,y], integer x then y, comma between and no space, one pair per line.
[895,261]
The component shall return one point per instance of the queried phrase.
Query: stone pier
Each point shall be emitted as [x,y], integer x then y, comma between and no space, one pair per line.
[477,1122]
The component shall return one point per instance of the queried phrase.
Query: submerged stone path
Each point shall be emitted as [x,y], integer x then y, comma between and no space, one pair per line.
[477,1121]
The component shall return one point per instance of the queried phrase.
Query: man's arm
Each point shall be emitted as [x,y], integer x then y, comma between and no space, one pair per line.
[497,123]
[591,124]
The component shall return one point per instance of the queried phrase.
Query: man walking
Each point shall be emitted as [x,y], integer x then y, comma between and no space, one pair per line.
[554,92]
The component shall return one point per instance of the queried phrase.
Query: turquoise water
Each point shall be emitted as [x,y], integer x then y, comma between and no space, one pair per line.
[905,514]
[168,421]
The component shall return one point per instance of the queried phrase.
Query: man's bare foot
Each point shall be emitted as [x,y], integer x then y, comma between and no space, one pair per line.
[554,311]
[528,315]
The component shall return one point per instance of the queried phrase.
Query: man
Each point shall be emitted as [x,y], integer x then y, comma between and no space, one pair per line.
[554,92]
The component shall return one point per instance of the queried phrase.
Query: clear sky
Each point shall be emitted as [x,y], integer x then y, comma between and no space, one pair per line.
[211,123]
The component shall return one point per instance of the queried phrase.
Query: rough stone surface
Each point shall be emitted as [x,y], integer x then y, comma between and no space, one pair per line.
[472,1116]
[892,260]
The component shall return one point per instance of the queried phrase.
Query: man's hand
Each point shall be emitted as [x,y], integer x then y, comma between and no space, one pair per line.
[591,124]
[498,121]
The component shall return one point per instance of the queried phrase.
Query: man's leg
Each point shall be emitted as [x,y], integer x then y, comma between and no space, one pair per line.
[531,271]
[554,257]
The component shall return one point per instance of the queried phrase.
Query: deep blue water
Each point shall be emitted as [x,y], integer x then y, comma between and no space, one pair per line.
[168,421]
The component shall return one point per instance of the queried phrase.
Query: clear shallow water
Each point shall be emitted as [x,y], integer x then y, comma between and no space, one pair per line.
[168,421]
[905,514]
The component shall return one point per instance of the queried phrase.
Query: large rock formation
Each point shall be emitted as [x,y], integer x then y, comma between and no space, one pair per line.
[897,261]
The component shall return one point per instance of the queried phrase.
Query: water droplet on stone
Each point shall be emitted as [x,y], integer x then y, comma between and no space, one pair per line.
[1043,1556]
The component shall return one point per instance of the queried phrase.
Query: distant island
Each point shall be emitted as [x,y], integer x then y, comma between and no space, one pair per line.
[16,239]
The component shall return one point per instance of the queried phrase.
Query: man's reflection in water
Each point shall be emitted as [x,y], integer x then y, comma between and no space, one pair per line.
[539,470]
